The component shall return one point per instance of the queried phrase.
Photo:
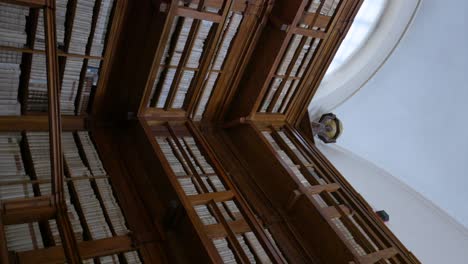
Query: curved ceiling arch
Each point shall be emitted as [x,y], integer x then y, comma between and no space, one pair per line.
[361,64]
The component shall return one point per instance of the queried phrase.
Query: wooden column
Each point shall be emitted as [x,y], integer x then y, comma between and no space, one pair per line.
[55,128]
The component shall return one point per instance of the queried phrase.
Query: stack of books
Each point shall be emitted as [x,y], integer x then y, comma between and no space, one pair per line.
[165,60]
[314,5]
[15,184]
[185,180]
[10,72]
[174,59]
[94,162]
[70,83]
[38,145]
[88,82]
[329,7]
[105,189]
[92,210]
[112,207]
[274,85]
[192,62]
[12,32]
[229,32]
[132,257]
[23,237]
[79,36]
[113,259]
[13,25]
[81,26]
[97,47]
[298,68]
[37,89]
[246,249]
[225,252]
[205,215]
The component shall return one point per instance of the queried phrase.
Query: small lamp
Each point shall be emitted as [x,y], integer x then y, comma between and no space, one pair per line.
[328,129]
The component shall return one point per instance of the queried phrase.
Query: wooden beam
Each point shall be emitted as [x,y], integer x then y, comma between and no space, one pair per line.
[28,3]
[317,189]
[206,197]
[379,255]
[55,140]
[39,123]
[195,14]
[26,210]
[87,249]
[321,21]
[333,212]
[309,32]
[218,231]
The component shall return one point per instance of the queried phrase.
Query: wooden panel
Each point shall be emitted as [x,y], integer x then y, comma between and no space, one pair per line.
[317,234]
[270,172]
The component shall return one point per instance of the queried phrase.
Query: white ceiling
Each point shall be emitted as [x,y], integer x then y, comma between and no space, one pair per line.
[411,117]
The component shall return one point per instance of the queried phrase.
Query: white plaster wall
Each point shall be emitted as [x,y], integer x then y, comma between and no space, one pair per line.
[426,230]
[411,117]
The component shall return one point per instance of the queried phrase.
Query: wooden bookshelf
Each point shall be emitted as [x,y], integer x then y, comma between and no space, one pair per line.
[29,52]
[224,171]
[293,43]
[302,184]
[241,21]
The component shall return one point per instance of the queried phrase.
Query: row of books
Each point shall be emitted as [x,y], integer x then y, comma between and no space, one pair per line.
[328,8]
[13,25]
[12,34]
[229,32]
[297,70]
[38,146]
[172,56]
[80,33]
[100,32]
[37,94]
[20,237]
[250,245]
